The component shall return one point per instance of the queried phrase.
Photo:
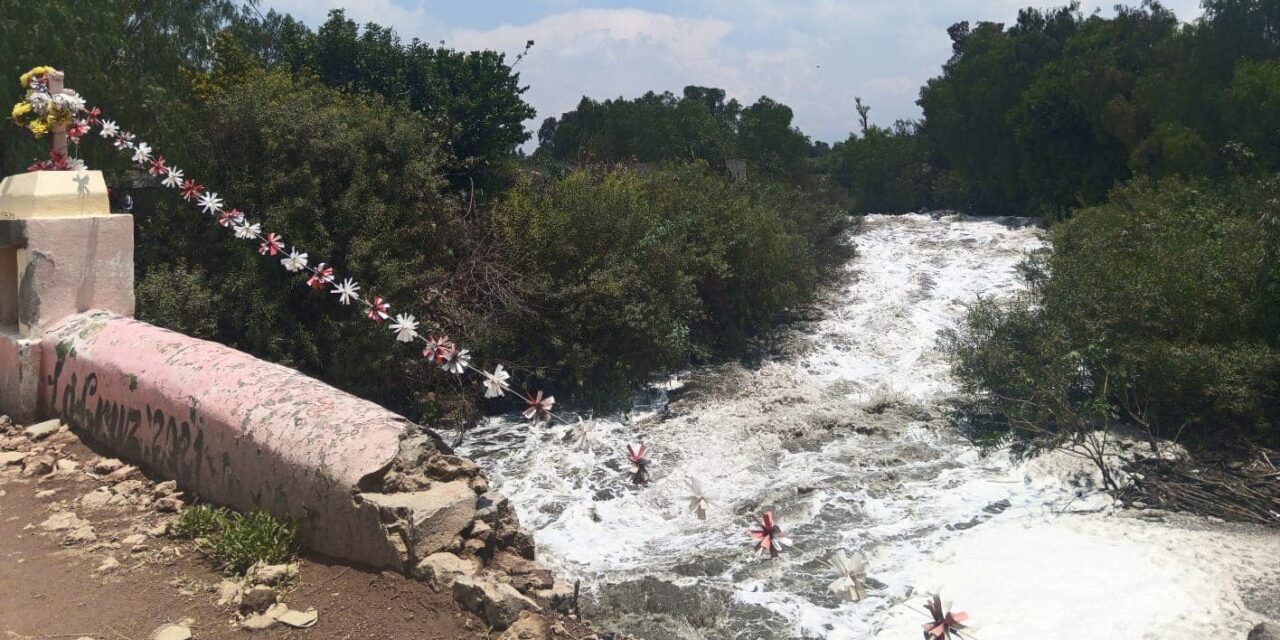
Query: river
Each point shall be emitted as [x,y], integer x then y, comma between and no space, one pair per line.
[842,434]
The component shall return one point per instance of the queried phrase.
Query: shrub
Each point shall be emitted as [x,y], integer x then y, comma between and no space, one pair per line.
[180,298]
[354,181]
[1157,309]
[647,271]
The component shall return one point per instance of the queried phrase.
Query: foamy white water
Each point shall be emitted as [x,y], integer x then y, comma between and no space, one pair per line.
[802,435]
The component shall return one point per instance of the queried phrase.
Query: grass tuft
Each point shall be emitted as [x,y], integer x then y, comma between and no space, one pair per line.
[237,541]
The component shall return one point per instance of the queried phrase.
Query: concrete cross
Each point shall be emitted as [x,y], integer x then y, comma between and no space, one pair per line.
[58,134]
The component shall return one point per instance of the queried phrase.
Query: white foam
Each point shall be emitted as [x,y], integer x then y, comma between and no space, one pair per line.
[890,495]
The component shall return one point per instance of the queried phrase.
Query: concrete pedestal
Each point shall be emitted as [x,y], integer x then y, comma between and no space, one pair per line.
[62,252]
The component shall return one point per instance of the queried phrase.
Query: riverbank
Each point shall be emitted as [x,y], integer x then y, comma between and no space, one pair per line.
[88,552]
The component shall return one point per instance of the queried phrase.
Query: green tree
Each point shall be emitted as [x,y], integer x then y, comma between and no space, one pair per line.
[123,56]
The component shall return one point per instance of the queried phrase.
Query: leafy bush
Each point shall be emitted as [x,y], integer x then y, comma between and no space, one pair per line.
[644,271]
[1158,309]
[352,180]
[180,298]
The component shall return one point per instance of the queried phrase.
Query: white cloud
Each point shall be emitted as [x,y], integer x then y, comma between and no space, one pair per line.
[814,55]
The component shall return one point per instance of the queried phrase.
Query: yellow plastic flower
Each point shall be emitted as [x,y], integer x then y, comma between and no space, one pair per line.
[37,128]
[20,109]
[25,80]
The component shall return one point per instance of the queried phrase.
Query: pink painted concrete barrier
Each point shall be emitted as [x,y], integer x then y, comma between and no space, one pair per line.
[229,427]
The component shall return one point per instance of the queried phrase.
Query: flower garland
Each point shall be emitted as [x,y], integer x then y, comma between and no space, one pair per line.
[67,109]
[42,112]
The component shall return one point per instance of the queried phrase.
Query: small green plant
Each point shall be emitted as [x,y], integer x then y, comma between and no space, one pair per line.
[238,541]
[201,521]
[254,537]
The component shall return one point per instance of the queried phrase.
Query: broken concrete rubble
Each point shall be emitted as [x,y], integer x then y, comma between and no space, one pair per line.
[424,522]
[497,603]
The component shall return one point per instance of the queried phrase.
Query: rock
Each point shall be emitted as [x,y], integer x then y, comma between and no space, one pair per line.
[96,499]
[473,546]
[481,530]
[229,593]
[46,493]
[42,430]
[491,506]
[108,565]
[170,504]
[38,466]
[446,467]
[104,466]
[441,569]
[517,541]
[131,540]
[13,458]
[257,599]
[121,474]
[128,488]
[258,622]
[300,619]
[179,631]
[426,521]
[273,574]
[479,484]
[62,521]
[1265,631]
[528,626]
[67,466]
[266,619]
[497,603]
[80,535]
[166,488]
[158,530]
[526,575]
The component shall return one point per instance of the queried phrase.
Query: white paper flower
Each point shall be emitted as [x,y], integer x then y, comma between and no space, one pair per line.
[39,102]
[458,362]
[69,101]
[851,581]
[698,498]
[346,291]
[77,164]
[585,437]
[210,203]
[142,152]
[246,231]
[406,327]
[296,261]
[173,179]
[495,382]
[109,129]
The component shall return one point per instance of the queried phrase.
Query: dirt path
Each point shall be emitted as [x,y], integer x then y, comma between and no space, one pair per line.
[54,583]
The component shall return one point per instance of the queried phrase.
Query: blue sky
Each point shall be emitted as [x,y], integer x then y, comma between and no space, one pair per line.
[814,55]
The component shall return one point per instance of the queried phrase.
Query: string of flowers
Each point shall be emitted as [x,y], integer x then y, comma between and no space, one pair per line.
[42,111]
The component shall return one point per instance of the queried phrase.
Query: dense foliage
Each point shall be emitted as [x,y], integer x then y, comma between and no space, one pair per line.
[699,125]
[1159,309]
[1055,110]
[354,180]
[355,146]
[646,270]
[125,54]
